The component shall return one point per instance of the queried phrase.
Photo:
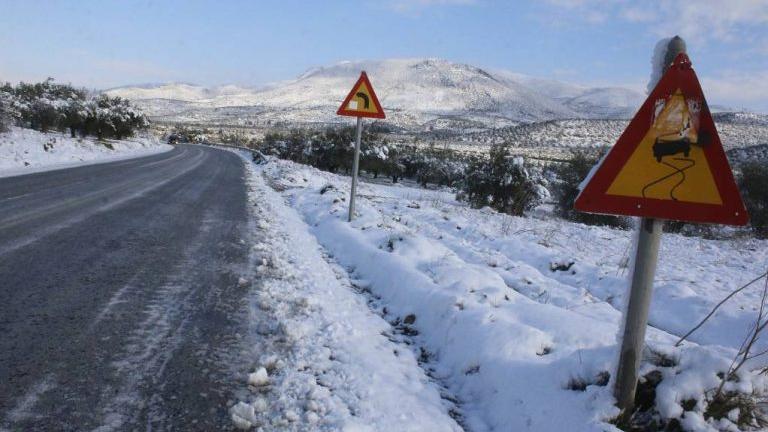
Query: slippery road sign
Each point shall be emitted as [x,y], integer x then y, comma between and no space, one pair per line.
[362,101]
[669,162]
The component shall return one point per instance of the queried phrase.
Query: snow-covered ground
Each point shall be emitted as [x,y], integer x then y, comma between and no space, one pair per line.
[512,320]
[330,363]
[24,151]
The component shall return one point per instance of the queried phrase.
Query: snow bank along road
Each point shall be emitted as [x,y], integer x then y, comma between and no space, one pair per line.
[120,293]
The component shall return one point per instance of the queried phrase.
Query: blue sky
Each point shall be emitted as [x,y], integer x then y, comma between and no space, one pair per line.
[604,42]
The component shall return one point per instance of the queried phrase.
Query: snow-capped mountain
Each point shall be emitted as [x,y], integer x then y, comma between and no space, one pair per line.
[588,102]
[606,102]
[174,91]
[414,92]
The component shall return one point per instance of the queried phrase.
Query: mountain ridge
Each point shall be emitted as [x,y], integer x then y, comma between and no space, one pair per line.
[413,91]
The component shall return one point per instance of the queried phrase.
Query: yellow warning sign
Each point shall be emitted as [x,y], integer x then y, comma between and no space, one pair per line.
[669,163]
[362,101]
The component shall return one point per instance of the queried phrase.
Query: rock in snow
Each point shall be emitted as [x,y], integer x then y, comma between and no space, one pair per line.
[259,378]
[243,416]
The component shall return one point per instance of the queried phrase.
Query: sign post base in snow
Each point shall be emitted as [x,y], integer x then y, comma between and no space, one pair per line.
[668,164]
[633,337]
[360,102]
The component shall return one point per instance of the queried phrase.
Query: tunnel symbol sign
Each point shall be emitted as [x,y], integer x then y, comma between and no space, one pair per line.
[362,101]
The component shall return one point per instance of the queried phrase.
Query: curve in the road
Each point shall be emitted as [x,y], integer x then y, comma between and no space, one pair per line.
[120,306]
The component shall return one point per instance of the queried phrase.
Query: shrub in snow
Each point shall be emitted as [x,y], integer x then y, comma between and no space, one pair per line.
[754,189]
[566,188]
[738,409]
[382,158]
[424,164]
[73,116]
[501,182]
[112,118]
[8,111]
[46,105]
[440,167]
[331,150]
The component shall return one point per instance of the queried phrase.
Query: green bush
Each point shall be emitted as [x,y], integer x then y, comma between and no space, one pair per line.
[569,176]
[46,106]
[753,183]
[8,112]
[501,182]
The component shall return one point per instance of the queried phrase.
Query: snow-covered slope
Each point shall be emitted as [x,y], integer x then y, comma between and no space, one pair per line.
[431,86]
[413,91]
[606,102]
[24,151]
[736,130]
[174,91]
[514,317]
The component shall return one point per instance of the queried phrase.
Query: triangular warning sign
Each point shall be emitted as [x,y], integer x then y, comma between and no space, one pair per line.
[669,162]
[362,101]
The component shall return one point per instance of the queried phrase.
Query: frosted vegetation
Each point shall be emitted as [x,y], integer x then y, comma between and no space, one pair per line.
[49,106]
[499,178]
[48,125]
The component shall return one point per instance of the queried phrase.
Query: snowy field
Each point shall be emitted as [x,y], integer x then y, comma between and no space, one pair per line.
[24,151]
[424,314]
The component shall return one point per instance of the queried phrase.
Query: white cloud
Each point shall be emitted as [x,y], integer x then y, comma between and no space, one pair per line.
[639,14]
[738,89]
[698,21]
[703,20]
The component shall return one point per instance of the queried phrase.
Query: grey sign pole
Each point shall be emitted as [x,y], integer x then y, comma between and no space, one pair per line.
[355,165]
[636,319]
[633,338]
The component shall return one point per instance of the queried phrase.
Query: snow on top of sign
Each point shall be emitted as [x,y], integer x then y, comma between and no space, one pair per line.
[657,62]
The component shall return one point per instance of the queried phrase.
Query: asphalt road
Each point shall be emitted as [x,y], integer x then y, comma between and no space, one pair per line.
[120,307]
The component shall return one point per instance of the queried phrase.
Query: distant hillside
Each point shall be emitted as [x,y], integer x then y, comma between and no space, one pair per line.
[416,93]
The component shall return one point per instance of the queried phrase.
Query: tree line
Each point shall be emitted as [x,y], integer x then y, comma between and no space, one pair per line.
[499,179]
[47,106]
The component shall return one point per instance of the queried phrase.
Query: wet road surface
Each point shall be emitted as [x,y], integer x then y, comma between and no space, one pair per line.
[120,307]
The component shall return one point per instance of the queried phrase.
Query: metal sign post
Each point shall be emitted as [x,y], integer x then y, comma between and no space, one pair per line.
[633,338]
[360,102]
[355,166]
[641,289]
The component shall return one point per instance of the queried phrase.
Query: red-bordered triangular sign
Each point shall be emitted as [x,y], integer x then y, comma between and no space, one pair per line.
[669,162]
[362,101]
